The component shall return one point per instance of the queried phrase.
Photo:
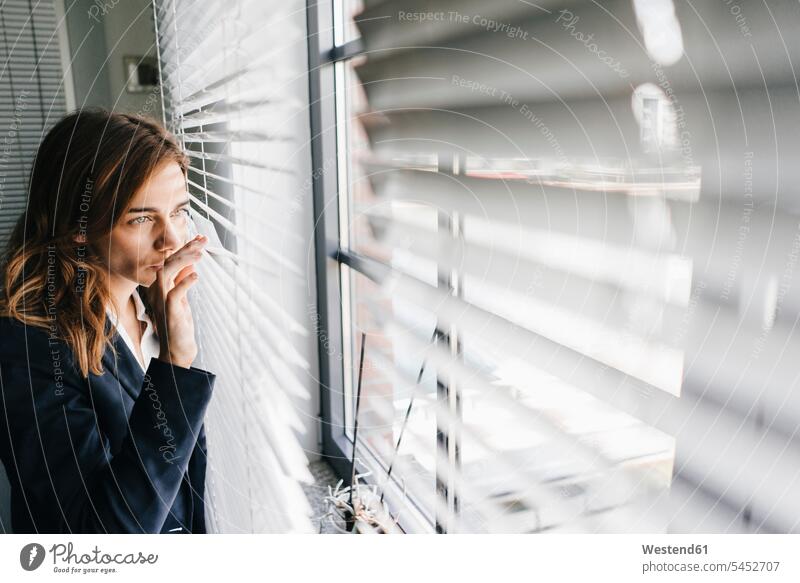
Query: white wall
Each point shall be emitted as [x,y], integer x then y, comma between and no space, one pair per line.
[100,34]
[87,53]
[129,31]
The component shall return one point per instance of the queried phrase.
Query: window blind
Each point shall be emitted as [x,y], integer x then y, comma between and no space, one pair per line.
[31,97]
[224,81]
[31,100]
[613,247]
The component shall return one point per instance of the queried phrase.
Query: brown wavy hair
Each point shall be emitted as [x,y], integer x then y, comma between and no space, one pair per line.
[86,170]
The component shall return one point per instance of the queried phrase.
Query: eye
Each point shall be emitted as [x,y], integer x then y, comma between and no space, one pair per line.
[139,220]
[183,212]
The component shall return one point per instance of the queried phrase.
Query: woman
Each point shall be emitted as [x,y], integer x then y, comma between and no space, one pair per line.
[101,412]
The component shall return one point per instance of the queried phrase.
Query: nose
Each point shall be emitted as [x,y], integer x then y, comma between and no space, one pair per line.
[168,239]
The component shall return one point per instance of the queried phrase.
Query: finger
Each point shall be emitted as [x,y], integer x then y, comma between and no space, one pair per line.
[180,290]
[183,273]
[193,247]
[186,255]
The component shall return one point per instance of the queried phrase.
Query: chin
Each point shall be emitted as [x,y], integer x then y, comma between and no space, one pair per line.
[146,279]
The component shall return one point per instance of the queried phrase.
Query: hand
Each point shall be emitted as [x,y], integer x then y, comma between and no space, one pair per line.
[171,306]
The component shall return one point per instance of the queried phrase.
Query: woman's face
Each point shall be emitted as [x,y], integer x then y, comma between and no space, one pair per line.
[154,226]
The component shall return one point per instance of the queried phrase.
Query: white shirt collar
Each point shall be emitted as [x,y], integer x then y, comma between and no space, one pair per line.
[140,309]
[149,346]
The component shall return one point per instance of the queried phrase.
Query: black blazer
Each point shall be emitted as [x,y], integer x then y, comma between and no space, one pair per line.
[123,452]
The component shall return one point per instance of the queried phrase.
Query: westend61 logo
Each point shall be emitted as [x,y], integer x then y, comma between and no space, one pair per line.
[65,560]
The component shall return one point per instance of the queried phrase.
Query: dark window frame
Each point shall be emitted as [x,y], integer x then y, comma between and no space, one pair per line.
[327,319]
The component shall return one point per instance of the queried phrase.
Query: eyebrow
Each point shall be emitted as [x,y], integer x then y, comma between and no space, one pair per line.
[149,209]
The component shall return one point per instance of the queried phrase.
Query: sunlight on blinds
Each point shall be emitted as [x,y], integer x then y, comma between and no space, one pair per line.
[602,238]
[225,75]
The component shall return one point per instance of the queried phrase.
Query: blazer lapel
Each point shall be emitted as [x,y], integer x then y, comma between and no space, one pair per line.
[123,365]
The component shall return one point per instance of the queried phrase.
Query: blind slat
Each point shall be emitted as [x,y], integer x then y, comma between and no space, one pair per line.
[503,115]
[32,99]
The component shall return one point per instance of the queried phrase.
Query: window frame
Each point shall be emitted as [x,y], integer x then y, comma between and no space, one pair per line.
[333,263]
